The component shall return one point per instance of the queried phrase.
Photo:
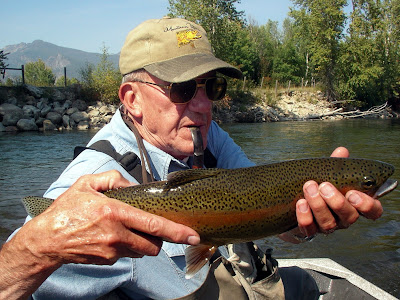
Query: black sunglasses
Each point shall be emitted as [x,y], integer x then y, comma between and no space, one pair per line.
[183,92]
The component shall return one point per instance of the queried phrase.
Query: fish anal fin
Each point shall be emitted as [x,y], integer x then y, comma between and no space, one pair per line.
[196,257]
[34,206]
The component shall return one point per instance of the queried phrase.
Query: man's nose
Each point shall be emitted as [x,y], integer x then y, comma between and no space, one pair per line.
[200,101]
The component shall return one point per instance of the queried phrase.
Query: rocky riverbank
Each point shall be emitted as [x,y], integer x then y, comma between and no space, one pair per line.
[30,108]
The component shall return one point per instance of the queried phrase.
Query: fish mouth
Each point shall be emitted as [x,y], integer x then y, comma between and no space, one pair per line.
[388,186]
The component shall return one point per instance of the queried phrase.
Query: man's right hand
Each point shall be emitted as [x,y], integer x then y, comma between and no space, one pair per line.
[84,226]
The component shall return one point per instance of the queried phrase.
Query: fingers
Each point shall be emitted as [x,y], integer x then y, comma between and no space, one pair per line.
[157,226]
[330,209]
[340,152]
[367,206]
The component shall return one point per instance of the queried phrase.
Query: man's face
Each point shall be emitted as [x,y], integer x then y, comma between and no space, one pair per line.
[165,124]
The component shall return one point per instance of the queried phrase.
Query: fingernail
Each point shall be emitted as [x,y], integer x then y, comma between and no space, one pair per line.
[303,207]
[193,240]
[354,198]
[327,190]
[312,189]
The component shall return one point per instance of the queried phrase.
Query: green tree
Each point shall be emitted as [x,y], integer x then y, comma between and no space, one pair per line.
[3,57]
[37,73]
[106,79]
[222,22]
[325,21]
[61,81]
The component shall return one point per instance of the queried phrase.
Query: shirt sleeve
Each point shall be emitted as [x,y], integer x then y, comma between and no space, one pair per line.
[228,154]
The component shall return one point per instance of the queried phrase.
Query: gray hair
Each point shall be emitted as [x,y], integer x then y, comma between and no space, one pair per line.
[135,75]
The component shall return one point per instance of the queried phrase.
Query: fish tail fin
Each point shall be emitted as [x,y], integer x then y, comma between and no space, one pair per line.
[36,205]
[197,257]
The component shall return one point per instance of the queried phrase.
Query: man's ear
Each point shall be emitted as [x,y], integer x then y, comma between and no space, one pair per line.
[130,96]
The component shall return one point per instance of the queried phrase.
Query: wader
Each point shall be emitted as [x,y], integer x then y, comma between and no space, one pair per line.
[249,274]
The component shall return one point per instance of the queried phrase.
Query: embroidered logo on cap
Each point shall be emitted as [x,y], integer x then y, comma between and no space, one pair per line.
[186,37]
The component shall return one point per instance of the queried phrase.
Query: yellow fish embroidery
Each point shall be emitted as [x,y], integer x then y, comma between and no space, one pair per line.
[185,37]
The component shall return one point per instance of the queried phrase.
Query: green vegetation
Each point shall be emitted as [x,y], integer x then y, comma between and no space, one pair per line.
[3,57]
[37,73]
[350,56]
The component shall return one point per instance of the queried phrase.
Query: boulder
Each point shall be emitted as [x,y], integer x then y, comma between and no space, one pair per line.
[66,121]
[7,108]
[72,110]
[79,104]
[2,128]
[48,126]
[34,91]
[45,110]
[105,110]
[94,113]
[43,102]
[27,125]
[11,114]
[80,116]
[83,125]
[31,111]
[54,117]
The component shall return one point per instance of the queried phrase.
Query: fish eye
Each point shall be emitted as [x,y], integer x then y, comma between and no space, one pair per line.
[368,182]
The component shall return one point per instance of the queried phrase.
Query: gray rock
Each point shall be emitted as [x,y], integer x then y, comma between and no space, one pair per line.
[58,96]
[27,125]
[48,126]
[94,113]
[39,121]
[43,102]
[80,116]
[72,110]
[67,104]
[80,104]
[31,111]
[54,117]
[34,91]
[11,114]
[83,125]
[7,108]
[45,110]
[105,110]
[2,128]
[66,121]
[12,100]
[59,109]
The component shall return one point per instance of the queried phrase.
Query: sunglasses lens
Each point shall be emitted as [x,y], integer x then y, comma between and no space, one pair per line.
[183,92]
[216,88]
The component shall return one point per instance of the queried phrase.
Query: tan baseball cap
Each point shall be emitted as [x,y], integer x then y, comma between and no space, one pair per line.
[173,50]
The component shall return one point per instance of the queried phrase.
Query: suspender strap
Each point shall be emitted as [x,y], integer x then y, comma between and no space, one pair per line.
[129,161]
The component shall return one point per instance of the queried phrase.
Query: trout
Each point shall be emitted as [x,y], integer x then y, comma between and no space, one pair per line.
[238,205]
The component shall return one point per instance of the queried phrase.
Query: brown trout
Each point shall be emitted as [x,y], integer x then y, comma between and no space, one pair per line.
[246,204]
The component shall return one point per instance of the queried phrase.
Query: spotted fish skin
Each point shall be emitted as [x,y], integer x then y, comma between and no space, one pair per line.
[237,205]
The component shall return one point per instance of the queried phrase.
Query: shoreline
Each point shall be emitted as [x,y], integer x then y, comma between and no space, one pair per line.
[29,108]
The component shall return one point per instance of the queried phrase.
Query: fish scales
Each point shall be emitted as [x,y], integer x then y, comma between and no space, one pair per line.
[232,205]
[228,206]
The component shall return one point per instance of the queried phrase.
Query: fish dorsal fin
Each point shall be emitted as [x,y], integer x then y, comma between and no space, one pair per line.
[196,257]
[180,177]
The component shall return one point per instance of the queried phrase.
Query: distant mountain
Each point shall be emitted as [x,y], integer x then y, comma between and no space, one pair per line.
[55,57]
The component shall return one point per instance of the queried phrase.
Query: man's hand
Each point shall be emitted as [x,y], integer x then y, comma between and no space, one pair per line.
[325,209]
[83,226]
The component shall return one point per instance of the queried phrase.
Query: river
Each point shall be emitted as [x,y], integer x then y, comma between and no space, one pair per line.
[31,161]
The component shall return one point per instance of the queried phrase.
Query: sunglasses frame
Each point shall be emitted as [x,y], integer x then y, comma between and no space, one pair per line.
[198,85]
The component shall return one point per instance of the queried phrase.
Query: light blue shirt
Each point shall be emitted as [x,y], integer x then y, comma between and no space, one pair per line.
[159,277]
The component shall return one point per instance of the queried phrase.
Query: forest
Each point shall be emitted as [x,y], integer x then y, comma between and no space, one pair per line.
[350,49]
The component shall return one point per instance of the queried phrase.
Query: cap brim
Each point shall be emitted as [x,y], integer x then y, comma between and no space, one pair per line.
[191,66]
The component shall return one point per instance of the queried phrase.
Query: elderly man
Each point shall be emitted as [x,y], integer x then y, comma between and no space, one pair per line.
[87,245]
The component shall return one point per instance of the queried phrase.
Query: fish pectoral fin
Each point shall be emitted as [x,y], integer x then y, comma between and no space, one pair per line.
[180,177]
[34,206]
[196,257]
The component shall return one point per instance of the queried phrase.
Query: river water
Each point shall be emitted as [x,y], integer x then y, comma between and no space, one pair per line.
[31,161]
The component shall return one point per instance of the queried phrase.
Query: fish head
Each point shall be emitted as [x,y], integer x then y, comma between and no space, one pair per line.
[372,177]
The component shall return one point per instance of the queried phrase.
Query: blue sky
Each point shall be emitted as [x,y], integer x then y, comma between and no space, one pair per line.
[87,24]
